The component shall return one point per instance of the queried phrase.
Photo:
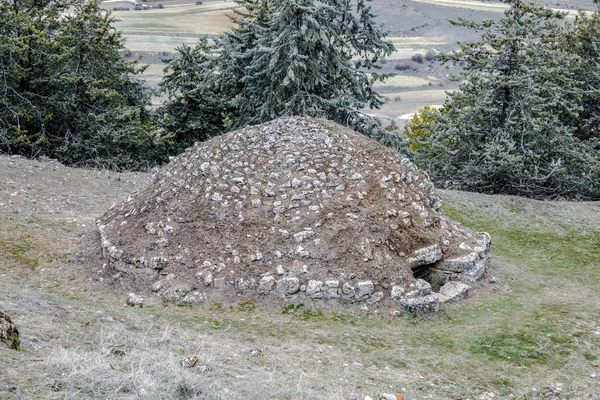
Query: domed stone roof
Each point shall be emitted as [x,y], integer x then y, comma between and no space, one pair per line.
[295,207]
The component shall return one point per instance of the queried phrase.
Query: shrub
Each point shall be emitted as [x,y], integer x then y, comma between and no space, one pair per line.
[430,56]
[418,130]
[402,67]
[418,58]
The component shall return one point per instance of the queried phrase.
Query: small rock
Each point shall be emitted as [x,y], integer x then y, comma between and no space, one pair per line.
[156,286]
[245,284]
[255,352]
[265,284]
[364,289]
[190,298]
[453,290]
[208,279]
[288,285]
[135,300]
[397,292]
[190,361]
[176,293]
[376,298]
[117,352]
[302,236]
[9,334]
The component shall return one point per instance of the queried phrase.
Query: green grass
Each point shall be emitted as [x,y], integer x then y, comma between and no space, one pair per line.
[19,251]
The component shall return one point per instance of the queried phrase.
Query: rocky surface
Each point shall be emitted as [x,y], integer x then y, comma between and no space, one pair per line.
[295,208]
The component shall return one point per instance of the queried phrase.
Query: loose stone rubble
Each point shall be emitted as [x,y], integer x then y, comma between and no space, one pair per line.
[296,208]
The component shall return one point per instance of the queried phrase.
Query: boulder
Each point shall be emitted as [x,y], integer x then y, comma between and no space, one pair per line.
[9,334]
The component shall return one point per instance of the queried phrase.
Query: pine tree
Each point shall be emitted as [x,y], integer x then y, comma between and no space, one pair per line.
[509,128]
[69,92]
[192,112]
[582,38]
[302,62]
[300,57]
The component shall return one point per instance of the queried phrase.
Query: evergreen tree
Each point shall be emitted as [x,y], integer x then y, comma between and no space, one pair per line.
[582,38]
[69,92]
[192,112]
[299,57]
[302,62]
[509,128]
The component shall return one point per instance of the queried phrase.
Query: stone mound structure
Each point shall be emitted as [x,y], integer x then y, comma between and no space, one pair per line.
[298,208]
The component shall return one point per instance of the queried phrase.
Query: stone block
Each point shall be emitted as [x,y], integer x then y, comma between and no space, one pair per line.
[429,303]
[460,264]
[288,285]
[364,289]
[475,273]
[265,284]
[418,289]
[453,290]
[425,256]
[314,289]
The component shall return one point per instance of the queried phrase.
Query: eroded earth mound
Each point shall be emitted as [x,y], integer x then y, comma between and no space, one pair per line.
[297,208]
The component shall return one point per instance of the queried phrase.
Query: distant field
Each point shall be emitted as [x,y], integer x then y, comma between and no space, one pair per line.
[191,20]
[414,27]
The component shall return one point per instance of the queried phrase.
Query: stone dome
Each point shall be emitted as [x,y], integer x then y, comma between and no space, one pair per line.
[294,208]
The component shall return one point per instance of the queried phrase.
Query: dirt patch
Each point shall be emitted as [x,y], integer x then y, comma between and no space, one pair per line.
[296,208]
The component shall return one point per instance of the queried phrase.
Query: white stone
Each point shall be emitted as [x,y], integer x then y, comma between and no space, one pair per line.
[265,284]
[135,300]
[453,290]
[208,279]
[303,235]
[314,289]
[364,289]
[288,285]
[397,292]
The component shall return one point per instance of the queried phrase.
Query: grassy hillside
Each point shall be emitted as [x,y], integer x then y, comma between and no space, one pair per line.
[532,334]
